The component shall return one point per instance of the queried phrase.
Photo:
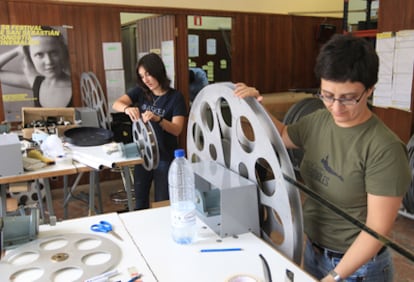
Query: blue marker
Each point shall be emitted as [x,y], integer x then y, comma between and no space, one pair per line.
[220,250]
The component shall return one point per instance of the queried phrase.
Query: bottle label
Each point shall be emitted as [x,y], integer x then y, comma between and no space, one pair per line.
[183,218]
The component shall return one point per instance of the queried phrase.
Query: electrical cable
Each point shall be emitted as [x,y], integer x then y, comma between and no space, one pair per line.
[383,239]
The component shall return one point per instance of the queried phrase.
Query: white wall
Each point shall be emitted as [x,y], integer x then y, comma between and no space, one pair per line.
[261,6]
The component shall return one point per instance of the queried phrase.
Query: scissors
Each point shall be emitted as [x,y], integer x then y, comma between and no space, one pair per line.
[106,227]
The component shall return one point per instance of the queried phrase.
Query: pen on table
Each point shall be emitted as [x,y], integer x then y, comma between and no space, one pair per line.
[220,250]
[135,278]
[103,276]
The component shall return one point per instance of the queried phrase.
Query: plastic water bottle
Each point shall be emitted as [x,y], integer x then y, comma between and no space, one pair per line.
[182,197]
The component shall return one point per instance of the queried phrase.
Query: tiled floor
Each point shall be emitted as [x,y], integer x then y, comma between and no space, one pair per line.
[402,233]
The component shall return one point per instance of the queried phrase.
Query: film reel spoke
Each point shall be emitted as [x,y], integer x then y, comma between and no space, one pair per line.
[238,134]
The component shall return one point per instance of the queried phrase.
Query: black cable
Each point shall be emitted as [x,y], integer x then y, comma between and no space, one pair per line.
[266,269]
[401,250]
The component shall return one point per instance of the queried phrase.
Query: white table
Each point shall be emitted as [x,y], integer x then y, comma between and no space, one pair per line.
[148,246]
[131,257]
[150,230]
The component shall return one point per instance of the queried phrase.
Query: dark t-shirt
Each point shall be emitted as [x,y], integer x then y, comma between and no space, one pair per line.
[167,106]
[342,165]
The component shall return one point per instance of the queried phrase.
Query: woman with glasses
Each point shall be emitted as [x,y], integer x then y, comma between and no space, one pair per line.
[350,159]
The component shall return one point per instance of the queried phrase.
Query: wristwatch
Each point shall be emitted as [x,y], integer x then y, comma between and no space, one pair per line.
[335,276]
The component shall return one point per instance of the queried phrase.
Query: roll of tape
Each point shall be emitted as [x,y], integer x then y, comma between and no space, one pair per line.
[243,278]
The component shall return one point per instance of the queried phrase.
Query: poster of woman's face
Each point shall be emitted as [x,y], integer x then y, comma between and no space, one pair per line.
[34,68]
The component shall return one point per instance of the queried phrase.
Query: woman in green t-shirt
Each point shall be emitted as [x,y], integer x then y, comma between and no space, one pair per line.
[350,159]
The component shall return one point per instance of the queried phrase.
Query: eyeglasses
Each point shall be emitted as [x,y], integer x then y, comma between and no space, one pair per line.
[330,99]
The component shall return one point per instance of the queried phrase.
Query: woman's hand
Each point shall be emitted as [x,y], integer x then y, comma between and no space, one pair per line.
[133,113]
[242,91]
[150,116]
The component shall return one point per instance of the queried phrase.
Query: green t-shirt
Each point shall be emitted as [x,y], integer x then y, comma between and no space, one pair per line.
[342,165]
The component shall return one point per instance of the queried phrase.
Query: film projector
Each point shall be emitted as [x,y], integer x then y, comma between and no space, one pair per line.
[239,161]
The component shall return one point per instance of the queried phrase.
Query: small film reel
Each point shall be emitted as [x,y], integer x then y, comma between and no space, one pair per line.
[144,136]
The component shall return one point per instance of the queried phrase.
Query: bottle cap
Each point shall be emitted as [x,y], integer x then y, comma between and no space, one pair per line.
[179,153]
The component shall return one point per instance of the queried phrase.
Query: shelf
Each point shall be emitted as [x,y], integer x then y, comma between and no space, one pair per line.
[365,33]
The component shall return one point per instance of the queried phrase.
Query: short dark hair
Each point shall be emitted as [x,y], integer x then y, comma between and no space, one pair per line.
[154,65]
[348,58]
[191,76]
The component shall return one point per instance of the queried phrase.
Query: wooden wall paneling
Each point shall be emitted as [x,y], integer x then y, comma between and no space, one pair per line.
[262,51]
[19,13]
[400,122]
[4,14]
[99,25]
[277,39]
[394,15]
[181,67]
[181,52]
[305,48]
[152,31]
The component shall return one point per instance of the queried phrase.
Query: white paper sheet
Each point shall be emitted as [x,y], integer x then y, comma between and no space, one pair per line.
[112,55]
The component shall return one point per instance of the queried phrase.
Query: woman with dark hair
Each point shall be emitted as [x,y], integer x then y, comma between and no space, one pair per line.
[45,68]
[154,101]
[351,159]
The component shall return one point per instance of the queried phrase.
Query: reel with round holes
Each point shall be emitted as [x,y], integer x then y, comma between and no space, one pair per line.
[61,258]
[30,196]
[239,134]
[144,136]
[93,97]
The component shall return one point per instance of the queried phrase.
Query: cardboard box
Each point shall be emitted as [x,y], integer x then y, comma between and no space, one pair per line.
[11,205]
[278,104]
[38,117]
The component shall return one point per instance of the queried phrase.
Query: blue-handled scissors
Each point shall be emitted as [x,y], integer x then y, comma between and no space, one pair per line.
[106,227]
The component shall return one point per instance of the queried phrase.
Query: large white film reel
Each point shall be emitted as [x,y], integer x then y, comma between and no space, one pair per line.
[239,134]
[93,97]
[144,136]
[68,257]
